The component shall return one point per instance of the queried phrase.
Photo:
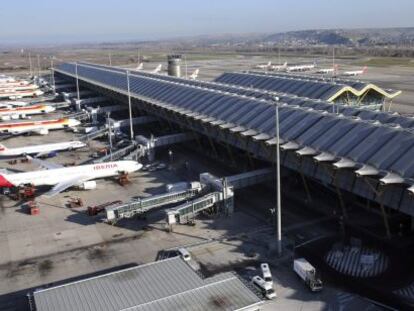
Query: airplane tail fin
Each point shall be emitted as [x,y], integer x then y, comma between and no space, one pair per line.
[140,66]
[194,75]
[157,69]
[269,63]
[365,69]
[2,147]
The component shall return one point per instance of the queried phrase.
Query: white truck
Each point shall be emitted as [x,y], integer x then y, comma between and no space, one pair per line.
[267,275]
[265,288]
[308,274]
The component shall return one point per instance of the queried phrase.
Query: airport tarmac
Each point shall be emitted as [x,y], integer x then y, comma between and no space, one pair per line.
[63,243]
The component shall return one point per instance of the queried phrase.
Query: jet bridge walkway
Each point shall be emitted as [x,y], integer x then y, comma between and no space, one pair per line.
[210,191]
[140,206]
[117,155]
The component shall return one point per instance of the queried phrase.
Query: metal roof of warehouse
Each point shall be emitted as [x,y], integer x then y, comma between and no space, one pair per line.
[302,86]
[169,284]
[368,146]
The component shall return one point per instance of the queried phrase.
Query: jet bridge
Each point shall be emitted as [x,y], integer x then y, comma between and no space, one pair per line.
[222,196]
[210,192]
[149,144]
[143,205]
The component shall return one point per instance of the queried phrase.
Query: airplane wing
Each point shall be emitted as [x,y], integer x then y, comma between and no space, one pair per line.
[65,184]
[46,165]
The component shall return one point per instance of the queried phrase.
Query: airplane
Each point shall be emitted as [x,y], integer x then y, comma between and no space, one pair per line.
[10,104]
[304,67]
[6,79]
[13,83]
[18,87]
[140,66]
[61,178]
[355,72]
[40,150]
[157,69]
[328,70]
[38,127]
[21,112]
[19,94]
[194,75]
[263,66]
[278,67]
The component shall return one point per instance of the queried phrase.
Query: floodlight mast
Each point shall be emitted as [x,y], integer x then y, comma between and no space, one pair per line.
[77,81]
[278,188]
[130,107]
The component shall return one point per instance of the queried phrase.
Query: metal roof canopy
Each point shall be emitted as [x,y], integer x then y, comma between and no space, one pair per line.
[233,114]
[318,104]
[169,284]
[303,86]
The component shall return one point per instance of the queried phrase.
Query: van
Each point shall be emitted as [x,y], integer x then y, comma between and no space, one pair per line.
[185,254]
[267,275]
[265,288]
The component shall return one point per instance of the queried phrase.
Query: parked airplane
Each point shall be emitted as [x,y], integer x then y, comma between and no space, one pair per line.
[332,70]
[62,178]
[6,79]
[157,69]
[355,72]
[13,83]
[19,94]
[38,127]
[263,66]
[21,112]
[278,67]
[40,150]
[10,104]
[304,67]
[194,75]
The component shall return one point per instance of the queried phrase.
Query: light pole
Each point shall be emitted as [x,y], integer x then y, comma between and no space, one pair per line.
[278,192]
[130,108]
[109,133]
[52,75]
[77,81]
[38,68]
[30,65]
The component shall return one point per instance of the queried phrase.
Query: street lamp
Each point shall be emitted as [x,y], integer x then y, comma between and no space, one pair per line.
[278,192]
[130,108]
[77,81]
[109,132]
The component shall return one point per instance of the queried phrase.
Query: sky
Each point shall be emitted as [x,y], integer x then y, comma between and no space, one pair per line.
[57,21]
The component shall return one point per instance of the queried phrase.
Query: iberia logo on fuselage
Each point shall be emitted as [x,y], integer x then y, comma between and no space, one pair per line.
[105,166]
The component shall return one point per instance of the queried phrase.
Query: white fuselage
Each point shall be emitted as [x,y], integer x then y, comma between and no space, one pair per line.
[52,177]
[300,67]
[325,71]
[8,104]
[22,127]
[20,94]
[27,150]
[28,110]
[353,73]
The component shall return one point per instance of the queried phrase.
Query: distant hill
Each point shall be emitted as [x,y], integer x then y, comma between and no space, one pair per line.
[351,37]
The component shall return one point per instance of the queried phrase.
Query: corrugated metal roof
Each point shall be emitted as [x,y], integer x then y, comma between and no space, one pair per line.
[228,116]
[169,284]
[304,86]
